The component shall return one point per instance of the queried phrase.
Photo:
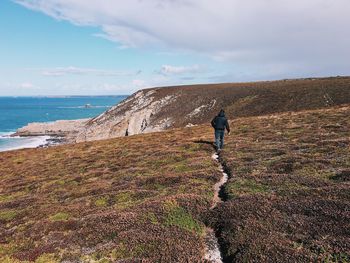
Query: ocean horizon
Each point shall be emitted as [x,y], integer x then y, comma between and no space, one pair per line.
[18,111]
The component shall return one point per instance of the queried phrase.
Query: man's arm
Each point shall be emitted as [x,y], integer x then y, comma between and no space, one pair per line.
[227,126]
[213,122]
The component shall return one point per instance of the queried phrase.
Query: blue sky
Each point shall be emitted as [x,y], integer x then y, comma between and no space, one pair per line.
[88,47]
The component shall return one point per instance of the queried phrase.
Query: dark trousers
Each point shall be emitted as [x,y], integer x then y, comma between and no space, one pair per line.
[219,139]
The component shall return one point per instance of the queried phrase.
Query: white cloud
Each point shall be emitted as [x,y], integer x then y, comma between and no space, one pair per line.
[312,33]
[139,83]
[27,85]
[19,88]
[86,71]
[168,69]
[91,89]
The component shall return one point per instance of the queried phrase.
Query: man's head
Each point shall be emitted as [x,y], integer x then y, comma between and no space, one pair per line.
[221,113]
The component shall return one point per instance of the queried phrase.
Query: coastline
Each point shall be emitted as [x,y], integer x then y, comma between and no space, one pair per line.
[59,128]
[11,143]
[42,134]
[26,120]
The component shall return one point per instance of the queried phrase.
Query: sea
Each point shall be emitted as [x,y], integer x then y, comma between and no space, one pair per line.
[16,112]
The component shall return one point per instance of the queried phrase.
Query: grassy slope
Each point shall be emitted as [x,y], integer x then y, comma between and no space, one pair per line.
[146,196]
[197,104]
[252,99]
[136,197]
[289,196]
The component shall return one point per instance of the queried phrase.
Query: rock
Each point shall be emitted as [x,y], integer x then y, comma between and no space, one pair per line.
[132,116]
[61,128]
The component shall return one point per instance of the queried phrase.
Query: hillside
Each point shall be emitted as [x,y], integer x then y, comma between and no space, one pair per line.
[147,198]
[127,198]
[159,109]
[288,196]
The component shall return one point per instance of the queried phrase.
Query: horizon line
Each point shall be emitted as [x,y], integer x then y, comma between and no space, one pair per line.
[60,96]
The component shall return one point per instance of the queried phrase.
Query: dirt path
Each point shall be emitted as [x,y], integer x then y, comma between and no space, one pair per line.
[212,248]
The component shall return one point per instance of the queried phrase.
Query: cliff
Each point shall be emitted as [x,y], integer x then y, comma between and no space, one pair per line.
[61,128]
[158,109]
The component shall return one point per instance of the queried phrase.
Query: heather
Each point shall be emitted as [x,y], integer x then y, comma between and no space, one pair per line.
[147,198]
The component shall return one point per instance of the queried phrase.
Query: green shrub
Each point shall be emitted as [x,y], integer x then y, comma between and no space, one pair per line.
[102,201]
[8,215]
[46,258]
[245,186]
[61,216]
[178,216]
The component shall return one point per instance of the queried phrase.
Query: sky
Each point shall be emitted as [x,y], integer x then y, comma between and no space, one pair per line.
[114,47]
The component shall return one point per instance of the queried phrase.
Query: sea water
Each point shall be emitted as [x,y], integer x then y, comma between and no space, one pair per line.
[16,112]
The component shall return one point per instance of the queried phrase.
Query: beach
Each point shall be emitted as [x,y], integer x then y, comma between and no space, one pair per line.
[46,120]
[8,142]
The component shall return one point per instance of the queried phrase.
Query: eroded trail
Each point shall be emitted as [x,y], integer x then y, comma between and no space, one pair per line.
[218,186]
[212,248]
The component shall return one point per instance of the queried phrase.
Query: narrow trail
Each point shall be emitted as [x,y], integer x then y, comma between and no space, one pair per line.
[212,247]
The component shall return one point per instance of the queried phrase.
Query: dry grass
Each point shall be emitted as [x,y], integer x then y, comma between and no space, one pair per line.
[141,197]
[145,198]
[289,194]
[251,99]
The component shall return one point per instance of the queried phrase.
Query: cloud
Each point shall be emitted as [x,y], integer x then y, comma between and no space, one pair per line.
[91,89]
[57,72]
[139,83]
[24,88]
[312,34]
[27,85]
[169,70]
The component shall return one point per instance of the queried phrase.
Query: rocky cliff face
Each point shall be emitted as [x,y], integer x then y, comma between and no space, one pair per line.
[132,116]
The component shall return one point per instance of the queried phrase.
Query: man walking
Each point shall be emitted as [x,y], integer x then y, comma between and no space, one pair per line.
[220,123]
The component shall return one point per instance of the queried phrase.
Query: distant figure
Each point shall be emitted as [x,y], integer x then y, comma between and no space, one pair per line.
[220,123]
[127,130]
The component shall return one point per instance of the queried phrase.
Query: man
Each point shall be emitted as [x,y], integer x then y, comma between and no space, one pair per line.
[220,123]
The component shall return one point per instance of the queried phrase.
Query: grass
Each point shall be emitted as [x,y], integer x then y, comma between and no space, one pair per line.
[44,258]
[61,216]
[243,186]
[6,198]
[113,194]
[178,216]
[151,217]
[47,258]
[125,200]
[8,215]
[288,196]
[147,196]
[102,201]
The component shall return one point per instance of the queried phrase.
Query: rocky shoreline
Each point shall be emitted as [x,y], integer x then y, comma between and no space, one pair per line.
[53,141]
[60,132]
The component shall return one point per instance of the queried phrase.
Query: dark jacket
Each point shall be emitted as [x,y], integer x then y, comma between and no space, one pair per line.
[220,122]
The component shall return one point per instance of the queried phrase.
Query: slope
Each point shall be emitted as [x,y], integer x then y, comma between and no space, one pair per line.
[148,197]
[159,109]
[288,197]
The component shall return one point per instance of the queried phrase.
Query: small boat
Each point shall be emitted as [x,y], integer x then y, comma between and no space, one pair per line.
[88,106]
